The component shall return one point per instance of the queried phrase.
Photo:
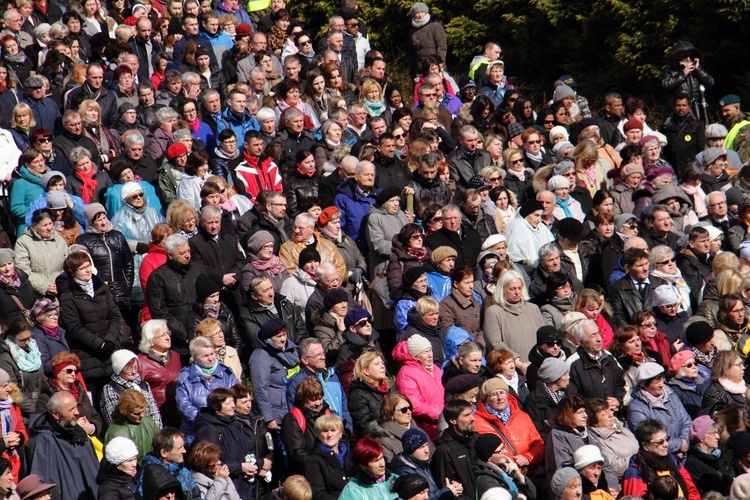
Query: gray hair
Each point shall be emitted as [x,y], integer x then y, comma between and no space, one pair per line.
[333,19]
[190,78]
[134,138]
[430,159]
[77,154]
[362,164]
[255,282]
[327,125]
[303,348]
[199,343]
[578,330]
[468,348]
[547,250]
[264,114]
[505,279]
[174,241]
[164,114]
[206,93]
[450,207]
[149,330]
[659,253]
[324,268]
[40,30]
[256,70]
[709,195]
[292,113]
[210,212]
[332,33]
[306,217]
[57,400]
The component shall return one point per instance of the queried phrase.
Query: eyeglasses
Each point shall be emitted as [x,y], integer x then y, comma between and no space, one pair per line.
[515,162]
[70,371]
[23,341]
[163,335]
[353,25]
[416,236]
[689,365]
[534,142]
[649,324]
[549,122]
[668,261]
[429,95]
[136,195]
[494,179]
[49,139]
[631,225]
[404,410]
[436,219]
[672,306]
[360,324]
[660,442]
[306,42]
[553,343]
[720,204]
[497,394]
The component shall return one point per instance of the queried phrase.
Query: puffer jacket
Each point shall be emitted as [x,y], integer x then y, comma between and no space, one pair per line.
[424,389]
[519,432]
[270,365]
[221,255]
[31,384]
[401,261]
[674,81]
[192,393]
[672,413]
[298,444]
[293,142]
[417,326]
[690,397]
[364,405]
[354,207]
[24,293]
[228,324]
[25,188]
[114,484]
[113,260]
[162,378]
[91,321]
[709,472]
[438,283]
[298,287]
[300,188]
[41,259]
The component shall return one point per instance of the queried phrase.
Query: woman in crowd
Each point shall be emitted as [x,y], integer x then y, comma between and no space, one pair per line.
[367,391]
[462,307]
[395,419]
[191,181]
[118,472]
[16,292]
[213,329]
[518,179]
[308,162]
[686,382]
[329,225]
[654,343]
[627,347]
[631,176]
[51,339]
[591,303]
[183,218]
[155,257]
[210,474]
[725,282]
[407,252]
[727,382]
[298,426]
[559,299]
[89,314]
[420,379]
[616,441]
[415,459]
[263,261]
[566,205]
[384,221]
[707,463]
[131,420]
[424,319]
[467,361]
[125,376]
[91,114]
[501,363]
[329,322]
[371,480]
[208,305]
[289,97]
[505,206]
[255,429]
[732,324]
[653,460]
[159,366]
[216,424]
[86,181]
[20,358]
[27,186]
[663,265]
[699,338]
[301,284]
[22,120]
[197,380]
[328,463]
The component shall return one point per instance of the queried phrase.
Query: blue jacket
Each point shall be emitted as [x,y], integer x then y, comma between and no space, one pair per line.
[46,113]
[193,390]
[691,398]
[241,14]
[354,207]
[206,135]
[238,123]
[41,202]
[673,415]
[179,471]
[440,285]
[270,367]
[333,393]
[403,306]
[22,192]
[113,202]
[221,42]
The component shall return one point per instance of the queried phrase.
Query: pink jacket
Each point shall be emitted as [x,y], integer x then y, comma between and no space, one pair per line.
[424,390]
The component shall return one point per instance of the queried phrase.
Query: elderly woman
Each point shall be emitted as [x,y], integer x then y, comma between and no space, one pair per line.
[526,234]
[213,329]
[118,472]
[183,218]
[384,221]
[329,225]
[322,151]
[262,261]
[727,382]
[372,479]
[686,382]
[463,306]
[616,441]
[20,358]
[155,257]
[663,263]
[122,171]
[270,361]
[50,338]
[395,419]
[125,376]
[197,380]
[159,139]
[216,423]
[654,460]
[570,431]
[27,186]
[66,376]
[170,172]
[566,205]
[106,144]
[631,176]
[424,319]
[327,465]
[512,321]
[329,324]
[210,473]
[40,252]
[653,399]
[16,292]
[708,465]
[368,391]
[501,364]
[86,181]
[518,179]
[420,379]
[159,366]
[131,420]
[298,426]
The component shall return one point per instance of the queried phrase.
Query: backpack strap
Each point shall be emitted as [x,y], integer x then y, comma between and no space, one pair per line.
[299,417]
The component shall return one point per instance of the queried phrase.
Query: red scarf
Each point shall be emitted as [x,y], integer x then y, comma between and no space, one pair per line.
[88,186]
[418,253]
[195,125]
[42,7]
[305,174]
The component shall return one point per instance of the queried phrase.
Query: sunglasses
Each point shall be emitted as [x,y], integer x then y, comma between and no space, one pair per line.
[417,236]
[136,195]
[360,324]
[306,42]
[44,139]
[689,365]
[70,371]
[436,219]
[548,122]
[514,162]
[398,136]
[668,261]
[404,410]
[553,343]
[649,324]
[660,442]
[534,142]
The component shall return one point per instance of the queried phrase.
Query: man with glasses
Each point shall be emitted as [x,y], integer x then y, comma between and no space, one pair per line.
[46,111]
[595,373]
[13,24]
[306,51]
[303,236]
[428,100]
[462,238]
[718,214]
[258,42]
[274,219]
[329,278]
[634,291]
[312,363]
[361,44]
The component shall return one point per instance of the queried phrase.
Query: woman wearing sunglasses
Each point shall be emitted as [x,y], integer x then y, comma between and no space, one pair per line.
[686,382]
[395,420]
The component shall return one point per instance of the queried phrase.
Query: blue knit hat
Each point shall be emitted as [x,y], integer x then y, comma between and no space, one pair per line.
[412,440]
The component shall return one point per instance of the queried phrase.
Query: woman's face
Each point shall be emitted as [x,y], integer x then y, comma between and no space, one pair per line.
[633,345]
[279,340]
[495,149]
[647,329]
[396,100]
[580,418]
[7,269]
[711,439]
[162,341]
[217,337]
[206,357]
[89,8]
[658,444]
[561,116]
[400,136]
[471,363]
[340,309]
[737,313]
[3,74]
[334,133]
[130,371]
[562,193]
[548,122]
[502,200]
[640,115]
[421,285]
[508,368]
[227,408]
[128,466]
[334,79]
[50,318]
[573,490]
[84,165]
[496,73]
[402,413]
[25,10]
[591,310]
[514,291]
[5,391]
[266,251]
[652,153]
[405,122]
[92,114]
[515,162]
[376,468]
[465,287]
[330,437]
[67,376]
[606,229]
[23,118]
[84,272]
[422,453]
[691,368]
[242,406]
[431,318]
[634,180]
[308,164]
[189,225]
[376,369]
[10,47]
[605,418]
[391,206]
[564,292]
[436,223]
[373,95]
[736,370]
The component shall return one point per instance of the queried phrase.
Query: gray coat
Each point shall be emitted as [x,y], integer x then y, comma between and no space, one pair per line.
[381,227]
[513,327]
[617,445]
[560,446]
[389,436]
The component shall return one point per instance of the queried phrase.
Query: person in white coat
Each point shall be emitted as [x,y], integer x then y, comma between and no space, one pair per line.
[565,205]
[526,234]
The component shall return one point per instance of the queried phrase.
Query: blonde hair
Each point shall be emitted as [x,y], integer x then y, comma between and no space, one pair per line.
[368,85]
[505,279]
[22,107]
[363,362]
[426,305]
[329,422]
[728,281]
[87,105]
[204,328]
[296,488]
[178,212]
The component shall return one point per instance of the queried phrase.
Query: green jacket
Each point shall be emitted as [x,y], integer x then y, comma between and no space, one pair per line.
[141,434]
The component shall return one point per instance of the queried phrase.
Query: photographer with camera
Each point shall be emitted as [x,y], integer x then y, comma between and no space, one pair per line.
[685,76]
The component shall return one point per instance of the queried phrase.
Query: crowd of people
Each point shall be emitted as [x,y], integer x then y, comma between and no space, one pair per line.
[240,262]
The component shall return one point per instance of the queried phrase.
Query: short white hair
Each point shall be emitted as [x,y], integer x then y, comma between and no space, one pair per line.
[149,330]
[578,330]
[199,343]
[709,195]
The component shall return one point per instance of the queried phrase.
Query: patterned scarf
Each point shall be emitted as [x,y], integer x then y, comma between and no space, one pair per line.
[212,310]
[705,359]
[504,415]
[272,266]
[13,282]
[555,395]
[221,352]
[27,361]
[418,253]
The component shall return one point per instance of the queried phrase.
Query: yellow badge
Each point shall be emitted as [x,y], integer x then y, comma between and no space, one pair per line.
[688,138]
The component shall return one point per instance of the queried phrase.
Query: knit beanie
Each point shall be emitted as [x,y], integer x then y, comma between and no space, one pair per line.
[558,182]
[386,194]
[117,168]
[49,175]
[4,377]
[120,359]
[205,287]
[698,333]
[417,344]
[92,211]
[6,255]
[561,479]
[485,446]
[412,275]
[630,169]
[700,427]
[307,255]
[176,149]
[491,385]
[409,485]
[258,240]
[462,383]
[633,123]
[412,440]
[531,206]
[271,327]
[120,449]
[561,92]
[333,297]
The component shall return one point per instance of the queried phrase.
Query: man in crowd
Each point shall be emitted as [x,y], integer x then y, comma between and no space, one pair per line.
[462,238]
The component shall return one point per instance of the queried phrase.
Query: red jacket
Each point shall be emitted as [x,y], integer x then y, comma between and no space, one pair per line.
[14,455]
[633,483]
[163,382]
[155,257]
[520,431]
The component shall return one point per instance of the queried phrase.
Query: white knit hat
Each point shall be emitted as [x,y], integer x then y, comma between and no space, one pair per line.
[558,182]
[120,359]
[129,189]
[120,449]
[417,344]
[587,455]
[664,295]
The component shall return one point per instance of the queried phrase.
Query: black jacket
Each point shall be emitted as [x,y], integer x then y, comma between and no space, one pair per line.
[626,300]
[536,358]
[464,167]
[300,188]
[652,239]
[145,168]
[710,473]
[24,293]
[524,190]
[325,474]
[298,444]
[114,261]
[145,117]
[467,245]
[329,188]
[416,326]
[539,405]
[114,484]
[538,287]
[435,189]
[90,321]
[139,48]
[454,458]
[294,143]
[364,406]
[590,379]
[686,138]
[609,130]
[106,99]
[391,172]
[217,82]
[695,268]
[220,257]
[66,141]
[280,235]
[170,294]
[253,315]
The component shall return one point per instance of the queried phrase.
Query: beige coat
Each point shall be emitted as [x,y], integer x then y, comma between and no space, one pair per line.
[512,327]
[232,360]
[289,255]
[41,259]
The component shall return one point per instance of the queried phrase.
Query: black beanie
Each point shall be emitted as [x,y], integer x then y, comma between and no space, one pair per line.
[205,286]
[412,275]
[386,194]
[698,333]
[409,485]
[530,207]
[485,446]
[307,255]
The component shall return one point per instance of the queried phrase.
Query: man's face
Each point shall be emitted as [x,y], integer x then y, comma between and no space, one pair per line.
[316,358]
[237,102]
[134,151]
[366,176]
[551,263]
[14,22]
[296,124]
[329,281]
[639,270]
[95,77]
[175,9]
[428,97]
[257,81]
[337,25]
[212,103]
[359,117]
[264,293]
[427,172]
[177,455]
[533,144]
[452,220]
[614,108]
[730,112]
[276,208]
[662,222]
[181,255]
[681,107]
[254,147]
[301,231]
[352,26]
[211,26]
[292,69]
[212,225]
[717,206]
[702,244]
[493,52]
[378,128]
[469,141]
[68,416]
[438,84]
[74,125]
[146,97]
[387,148]
[548,203]
[465,422]
[258,42]
[472,206]
[190,26]
[592,338]
[377,70]
[336,42]
[143,27]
